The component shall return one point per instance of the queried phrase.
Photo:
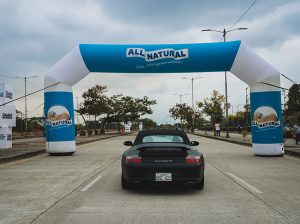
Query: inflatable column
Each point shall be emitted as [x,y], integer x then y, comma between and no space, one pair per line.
[59,107]
[266,118]
[265,101]
[59,113]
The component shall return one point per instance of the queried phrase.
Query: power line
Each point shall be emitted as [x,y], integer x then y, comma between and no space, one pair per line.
[15,76]
[269,84]
[30,94]
[239,19]
[7,76]
[288,78]
[36,108]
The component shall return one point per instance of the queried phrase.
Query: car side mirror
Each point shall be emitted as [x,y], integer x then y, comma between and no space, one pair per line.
[194,143]
[128,143]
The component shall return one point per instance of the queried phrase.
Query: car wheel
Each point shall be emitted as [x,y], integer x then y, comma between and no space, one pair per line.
[125,184]
[199,185]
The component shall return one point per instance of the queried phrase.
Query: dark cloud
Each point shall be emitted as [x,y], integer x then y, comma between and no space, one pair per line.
[273,28]
[34,38]
[179,14]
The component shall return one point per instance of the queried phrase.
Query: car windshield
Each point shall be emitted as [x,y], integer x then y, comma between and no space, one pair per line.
[162,138]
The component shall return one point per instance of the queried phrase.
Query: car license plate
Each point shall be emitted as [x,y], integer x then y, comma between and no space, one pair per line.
[163,177]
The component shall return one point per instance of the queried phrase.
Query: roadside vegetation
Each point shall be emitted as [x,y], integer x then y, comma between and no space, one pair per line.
[100,111]
[208,113]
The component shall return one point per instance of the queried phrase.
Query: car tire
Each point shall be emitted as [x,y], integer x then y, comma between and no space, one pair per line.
[125,184]
[199,185]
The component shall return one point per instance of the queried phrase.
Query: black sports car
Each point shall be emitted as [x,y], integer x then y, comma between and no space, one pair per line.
[162,156]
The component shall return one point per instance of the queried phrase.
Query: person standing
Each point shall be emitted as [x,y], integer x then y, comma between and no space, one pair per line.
[218,129]
[239,129]
[297,135]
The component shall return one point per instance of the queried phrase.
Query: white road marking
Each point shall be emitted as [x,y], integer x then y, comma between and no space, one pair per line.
[106,164]
[91,183]
[244,184]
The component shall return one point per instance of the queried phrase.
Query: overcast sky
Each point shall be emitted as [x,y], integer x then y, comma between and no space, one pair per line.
[35,34]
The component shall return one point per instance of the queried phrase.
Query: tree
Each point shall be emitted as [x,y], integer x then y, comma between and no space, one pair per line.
[237,119]
[166,126]
[114,109]
[212,107]
[121,108]
[293,104]
[148,123]
[20,123]
[247,117]
[94,103]
[184,113]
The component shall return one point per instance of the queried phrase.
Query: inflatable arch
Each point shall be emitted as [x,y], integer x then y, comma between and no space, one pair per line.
[235,56]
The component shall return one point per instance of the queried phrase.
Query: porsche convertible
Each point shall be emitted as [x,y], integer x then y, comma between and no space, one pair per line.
[162,156]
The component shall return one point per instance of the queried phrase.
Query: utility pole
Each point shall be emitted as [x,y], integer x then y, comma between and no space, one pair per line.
[237,107]
[180,96]
[25,80]
[246,109]
[77,118]
[25,97]
[224,32]
[193,115]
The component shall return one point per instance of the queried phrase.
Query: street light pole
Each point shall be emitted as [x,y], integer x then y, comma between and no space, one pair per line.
[193,115]
[226,96]
[224,32]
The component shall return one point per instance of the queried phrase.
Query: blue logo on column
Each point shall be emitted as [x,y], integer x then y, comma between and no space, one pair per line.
[58,116]
[265,117]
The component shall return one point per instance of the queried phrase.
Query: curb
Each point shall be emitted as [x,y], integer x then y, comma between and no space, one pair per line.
[224,140]
[95,140]
[286,150]
[291,153]
[41,151]
[107,137]
[22,156]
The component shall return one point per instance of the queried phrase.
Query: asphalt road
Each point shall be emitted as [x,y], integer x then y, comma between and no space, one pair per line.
[85,188]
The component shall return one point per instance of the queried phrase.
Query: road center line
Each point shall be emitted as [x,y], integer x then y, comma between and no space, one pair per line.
[244,183]
[91,183]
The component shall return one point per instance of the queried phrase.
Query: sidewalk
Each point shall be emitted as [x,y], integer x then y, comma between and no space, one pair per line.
[23,148]
[290,145]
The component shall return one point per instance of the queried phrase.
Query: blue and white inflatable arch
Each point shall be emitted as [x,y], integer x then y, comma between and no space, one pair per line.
[236,57]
